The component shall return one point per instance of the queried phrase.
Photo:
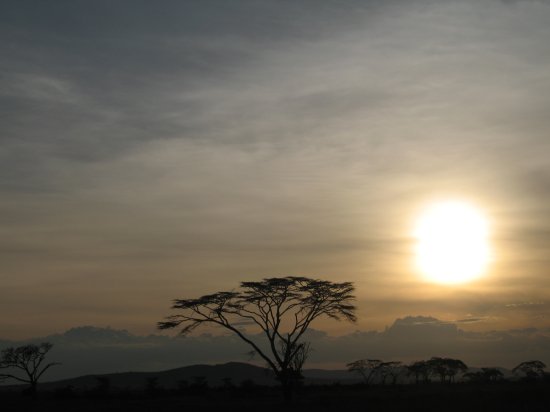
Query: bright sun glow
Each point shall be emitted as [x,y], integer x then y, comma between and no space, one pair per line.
[452,243]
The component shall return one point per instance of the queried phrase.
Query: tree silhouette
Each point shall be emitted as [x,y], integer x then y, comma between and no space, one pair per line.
[446,368]
[29,359]
[530,369]
[367,368]
[371,369]
[392,370]
[281,308]
[420,370]
[485,375]
[492,374]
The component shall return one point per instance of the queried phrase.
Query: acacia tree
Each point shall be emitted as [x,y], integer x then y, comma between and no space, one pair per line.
[530,369]
[492,374]
[27,358]
[281,308]
[446,368]
[371,369]
[420,370]
[367,368]
[485,375]
[392,369]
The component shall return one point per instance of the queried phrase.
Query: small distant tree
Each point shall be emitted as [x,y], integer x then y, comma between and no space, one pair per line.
[485,375]
[530,369]
[454,367]
[492,374]
[391,370]
[420,370]
[446,368]
[367,368]
[282,309]
[25,364]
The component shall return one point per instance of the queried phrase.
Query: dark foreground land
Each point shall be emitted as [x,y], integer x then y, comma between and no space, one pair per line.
[463,397]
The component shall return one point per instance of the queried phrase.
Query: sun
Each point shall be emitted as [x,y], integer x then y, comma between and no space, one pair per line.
[452,243]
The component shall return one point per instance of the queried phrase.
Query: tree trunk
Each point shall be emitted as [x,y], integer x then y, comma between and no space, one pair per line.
[287,385]
[31,391]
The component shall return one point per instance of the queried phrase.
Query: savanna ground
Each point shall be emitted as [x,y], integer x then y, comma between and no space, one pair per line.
[502,396]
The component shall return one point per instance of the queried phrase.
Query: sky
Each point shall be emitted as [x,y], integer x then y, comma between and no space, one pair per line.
[160,150]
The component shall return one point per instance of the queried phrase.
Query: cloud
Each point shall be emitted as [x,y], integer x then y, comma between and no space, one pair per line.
[526,305]
[471,320]
[93,350]
[150,147]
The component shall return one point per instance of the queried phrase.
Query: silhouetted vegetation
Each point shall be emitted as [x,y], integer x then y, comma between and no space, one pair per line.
[446,368]
[25,364]
[282,308]
[375,370]
[420,386]
[366,368]
[485,375]
[533,369]
[391,370]
[420,370]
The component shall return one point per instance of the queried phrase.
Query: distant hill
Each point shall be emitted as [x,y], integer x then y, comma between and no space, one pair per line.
[213,374]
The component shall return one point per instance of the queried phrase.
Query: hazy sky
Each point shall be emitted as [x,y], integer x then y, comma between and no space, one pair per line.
[155,150]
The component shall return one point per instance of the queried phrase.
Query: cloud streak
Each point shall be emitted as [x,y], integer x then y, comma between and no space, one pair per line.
[196,143]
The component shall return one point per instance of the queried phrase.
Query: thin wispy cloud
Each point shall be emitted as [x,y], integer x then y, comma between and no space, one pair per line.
[152,150]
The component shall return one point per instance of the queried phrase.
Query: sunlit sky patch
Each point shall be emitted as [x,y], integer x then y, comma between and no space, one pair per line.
[153,152]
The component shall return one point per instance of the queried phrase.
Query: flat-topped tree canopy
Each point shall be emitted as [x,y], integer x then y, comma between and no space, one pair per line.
[282,308]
